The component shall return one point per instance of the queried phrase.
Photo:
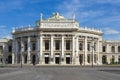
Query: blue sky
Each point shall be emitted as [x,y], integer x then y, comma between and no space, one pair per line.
[104,14]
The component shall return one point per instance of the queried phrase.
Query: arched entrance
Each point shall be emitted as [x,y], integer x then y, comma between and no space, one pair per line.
[33,59]
[9,59]
[81,58]
[104,59]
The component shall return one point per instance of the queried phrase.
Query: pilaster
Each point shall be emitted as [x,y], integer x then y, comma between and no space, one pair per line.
[22,49]
[28,50]
[76,50]
[51,50]
[41,49]
[85,63]
[62,56]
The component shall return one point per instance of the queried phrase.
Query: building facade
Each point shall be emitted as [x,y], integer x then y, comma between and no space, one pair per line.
[5,51]
[110,52]
[58,40]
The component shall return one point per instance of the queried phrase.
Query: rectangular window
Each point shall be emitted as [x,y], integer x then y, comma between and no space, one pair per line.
[88,47]
[33,46]
[80,46]
[26,47]
[57,45]
[10,48]
[94,46]
[104,49]
[46,44]
[118,48]
[1,49]
[67,44]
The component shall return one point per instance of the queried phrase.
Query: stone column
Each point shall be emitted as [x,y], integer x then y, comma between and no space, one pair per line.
[37,49]
[52,62]
[85,55]
[13,51]
[3,56]
[116,58]
[108,49]
[41,49]
[28,50]
[98,56]
[73,50]
[93,46]
[22,49]
[62,56]
[16,51]
[116,49]
[76,50]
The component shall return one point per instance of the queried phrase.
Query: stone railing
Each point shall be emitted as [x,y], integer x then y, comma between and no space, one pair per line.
[90,29]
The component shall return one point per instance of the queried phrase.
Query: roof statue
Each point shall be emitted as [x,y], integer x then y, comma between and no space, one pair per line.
[56,16]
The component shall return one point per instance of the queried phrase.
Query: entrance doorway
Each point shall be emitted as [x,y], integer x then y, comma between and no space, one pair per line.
[33,59]
[104,59]
[25,58]
[81,58]
[67,60]
[46,60]
[57,60]
[9,59]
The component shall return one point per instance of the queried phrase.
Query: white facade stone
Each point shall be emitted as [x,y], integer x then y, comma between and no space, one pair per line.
[69,34]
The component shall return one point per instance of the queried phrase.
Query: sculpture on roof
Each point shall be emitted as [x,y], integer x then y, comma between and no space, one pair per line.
[56,16]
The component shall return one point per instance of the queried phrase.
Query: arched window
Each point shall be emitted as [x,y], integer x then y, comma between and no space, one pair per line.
[118,48]
[112,49]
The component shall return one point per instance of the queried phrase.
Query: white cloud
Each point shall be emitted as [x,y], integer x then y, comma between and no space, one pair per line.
[4,32]
[78,7]
[7,36]
[108,1]
[108,31]
[2,26]
[69,8]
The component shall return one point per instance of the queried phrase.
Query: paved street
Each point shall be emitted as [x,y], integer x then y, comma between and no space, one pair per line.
[60,73]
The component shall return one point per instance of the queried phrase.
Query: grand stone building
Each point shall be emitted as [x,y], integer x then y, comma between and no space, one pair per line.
[57,40]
